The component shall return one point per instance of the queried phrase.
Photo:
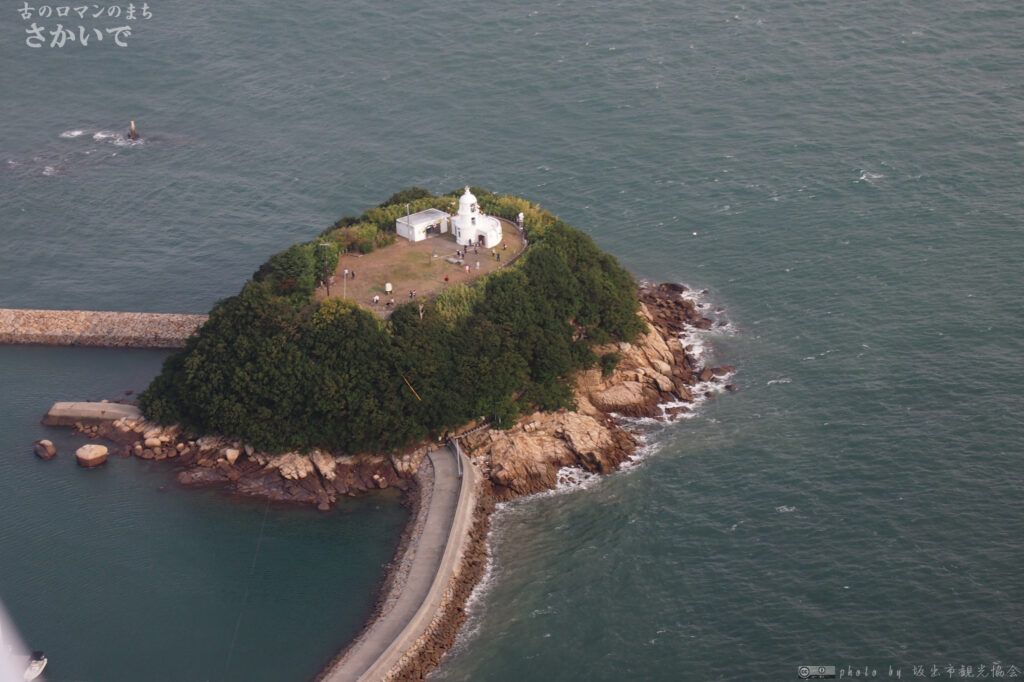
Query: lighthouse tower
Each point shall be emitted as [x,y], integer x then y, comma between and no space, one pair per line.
[472,227]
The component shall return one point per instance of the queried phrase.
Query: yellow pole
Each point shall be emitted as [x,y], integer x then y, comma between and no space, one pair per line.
[412,389]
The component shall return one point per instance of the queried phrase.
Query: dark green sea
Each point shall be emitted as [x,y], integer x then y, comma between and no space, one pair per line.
[844,179]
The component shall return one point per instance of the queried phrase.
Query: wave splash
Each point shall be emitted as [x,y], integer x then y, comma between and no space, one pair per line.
[78,148]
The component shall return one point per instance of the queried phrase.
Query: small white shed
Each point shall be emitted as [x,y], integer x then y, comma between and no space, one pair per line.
[419,226]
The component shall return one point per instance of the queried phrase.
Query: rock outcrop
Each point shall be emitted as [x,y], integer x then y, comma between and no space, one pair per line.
[316,478]
[91,455]
[526,459]
[653,370]
[45,449]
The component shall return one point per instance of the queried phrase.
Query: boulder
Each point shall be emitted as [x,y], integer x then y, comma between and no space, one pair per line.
[45,449]
[91,455]
[673,287]
[663,382]
[292,465]
[616,398]
[230,454]
[152,442]
[324,463]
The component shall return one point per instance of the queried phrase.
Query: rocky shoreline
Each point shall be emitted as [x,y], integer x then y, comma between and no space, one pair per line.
[656,376]
[654,371]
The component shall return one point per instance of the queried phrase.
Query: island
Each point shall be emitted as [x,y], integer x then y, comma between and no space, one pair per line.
[431,334]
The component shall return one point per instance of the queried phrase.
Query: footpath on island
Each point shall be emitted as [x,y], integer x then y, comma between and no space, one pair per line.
[394,635]
[443,554]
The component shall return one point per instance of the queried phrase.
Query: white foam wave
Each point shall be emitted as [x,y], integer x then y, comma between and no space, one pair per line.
[701,392]
[783,380]
[785,509]
[116,139]
[49,170]
[474,620]
[568,480]
[869,177]
[475,616]
[572,477]
[71,134]
[122,141]
[646,449]
[697,343]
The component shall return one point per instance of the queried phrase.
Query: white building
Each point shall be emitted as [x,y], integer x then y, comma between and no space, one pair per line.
[419,226]
[471,226]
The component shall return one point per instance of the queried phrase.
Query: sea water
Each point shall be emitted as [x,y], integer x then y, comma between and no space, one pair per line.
[843,179]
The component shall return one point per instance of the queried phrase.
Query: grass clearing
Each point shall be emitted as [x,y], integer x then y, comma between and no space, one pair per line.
[413,266]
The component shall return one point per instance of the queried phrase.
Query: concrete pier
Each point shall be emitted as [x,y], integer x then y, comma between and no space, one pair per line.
[97,328]
[69,414]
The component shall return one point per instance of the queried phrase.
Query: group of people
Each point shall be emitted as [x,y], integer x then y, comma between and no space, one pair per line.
[461,254]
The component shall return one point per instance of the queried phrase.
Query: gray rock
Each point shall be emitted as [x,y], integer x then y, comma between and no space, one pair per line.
[45,449]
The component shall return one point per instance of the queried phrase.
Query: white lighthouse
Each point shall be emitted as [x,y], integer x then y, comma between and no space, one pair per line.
[471,227]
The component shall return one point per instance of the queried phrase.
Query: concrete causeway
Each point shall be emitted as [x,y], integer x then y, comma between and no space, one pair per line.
[437,554]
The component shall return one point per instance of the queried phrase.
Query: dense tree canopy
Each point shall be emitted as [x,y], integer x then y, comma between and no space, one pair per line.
[280,370]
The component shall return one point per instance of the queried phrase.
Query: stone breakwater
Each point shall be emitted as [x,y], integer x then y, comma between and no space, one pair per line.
[440,635]
[97,328]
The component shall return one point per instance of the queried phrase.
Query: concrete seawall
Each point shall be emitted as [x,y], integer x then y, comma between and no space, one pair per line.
[380,652]
[96,328]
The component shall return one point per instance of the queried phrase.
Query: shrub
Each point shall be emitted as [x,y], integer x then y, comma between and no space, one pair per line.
[609,361]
